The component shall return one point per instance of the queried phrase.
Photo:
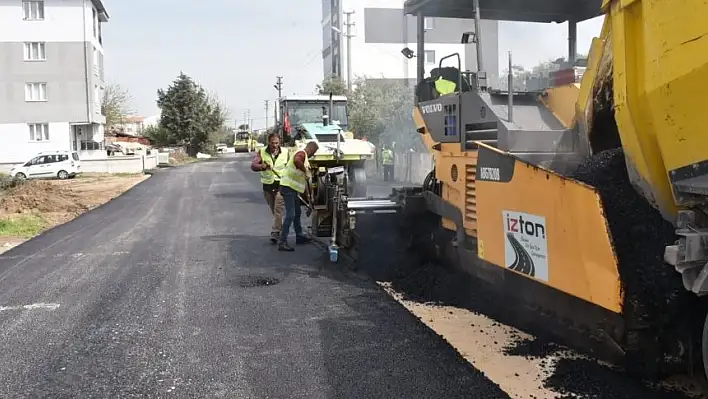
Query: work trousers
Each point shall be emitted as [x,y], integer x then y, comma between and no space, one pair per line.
[276,204]
[292,213]
[388,172]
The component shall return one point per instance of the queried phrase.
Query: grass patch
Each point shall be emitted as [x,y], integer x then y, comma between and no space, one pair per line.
[22,226]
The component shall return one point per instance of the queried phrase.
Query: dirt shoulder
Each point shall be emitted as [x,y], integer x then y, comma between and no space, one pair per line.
[28,209]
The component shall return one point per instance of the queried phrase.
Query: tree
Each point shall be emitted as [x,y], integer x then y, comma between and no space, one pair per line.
[381,111]
[159,136]
[332,84]
[243,127]
[378,110]
[189,115]
[115,104]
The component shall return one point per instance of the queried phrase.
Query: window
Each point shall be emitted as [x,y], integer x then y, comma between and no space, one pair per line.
[36,92]
[96,99]
[430,56]
[95,60]
[100,32]
[95,22]
[90,145]
[35,51]
[428,23]
[38,131]
[33,10]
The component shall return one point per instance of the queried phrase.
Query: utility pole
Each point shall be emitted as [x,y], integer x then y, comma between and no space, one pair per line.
[278,86]
[349,36]
[248,119]
[266,116]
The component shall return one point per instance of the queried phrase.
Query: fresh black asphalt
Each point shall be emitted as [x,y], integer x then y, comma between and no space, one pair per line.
[167,291]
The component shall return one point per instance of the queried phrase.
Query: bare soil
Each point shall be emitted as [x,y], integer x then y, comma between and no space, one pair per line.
[59,201]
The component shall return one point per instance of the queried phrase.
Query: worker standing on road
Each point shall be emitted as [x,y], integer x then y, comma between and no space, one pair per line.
[387,160]
[271,161]
[293,183]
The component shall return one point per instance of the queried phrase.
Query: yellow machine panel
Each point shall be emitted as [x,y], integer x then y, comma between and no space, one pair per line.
[660,51]
[547,227]
[561,102]
[456,170]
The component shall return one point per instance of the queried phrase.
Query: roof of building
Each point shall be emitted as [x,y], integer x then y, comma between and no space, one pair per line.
[312,97]
[102,13]
[509,10]
[133,119]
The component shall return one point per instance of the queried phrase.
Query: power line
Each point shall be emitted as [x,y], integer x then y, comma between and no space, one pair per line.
[278,86]
[266,110]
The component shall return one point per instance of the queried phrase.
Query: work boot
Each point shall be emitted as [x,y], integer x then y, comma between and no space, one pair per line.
[274,237]
[300,240]
[283,246]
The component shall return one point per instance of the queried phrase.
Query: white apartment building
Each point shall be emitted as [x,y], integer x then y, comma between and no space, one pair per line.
[381,31]
[52,78]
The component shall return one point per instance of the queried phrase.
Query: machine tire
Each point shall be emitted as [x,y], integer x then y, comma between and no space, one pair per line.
[63,175]
[357,181]
[20,176]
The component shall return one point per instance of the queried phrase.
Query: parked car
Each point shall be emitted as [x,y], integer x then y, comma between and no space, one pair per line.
[48,164]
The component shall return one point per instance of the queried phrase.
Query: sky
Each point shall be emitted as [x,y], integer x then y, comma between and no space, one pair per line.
[236,48]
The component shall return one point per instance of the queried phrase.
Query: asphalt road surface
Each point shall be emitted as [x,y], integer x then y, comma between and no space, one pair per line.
[523,262]
[173,290]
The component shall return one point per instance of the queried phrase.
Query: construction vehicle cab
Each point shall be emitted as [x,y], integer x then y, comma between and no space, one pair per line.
[338,173]
[244,141]
[325,119]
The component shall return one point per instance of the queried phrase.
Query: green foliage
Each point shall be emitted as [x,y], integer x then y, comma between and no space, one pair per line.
[158,136]
[378,110]
[226,135]
[332,84]
[189,116]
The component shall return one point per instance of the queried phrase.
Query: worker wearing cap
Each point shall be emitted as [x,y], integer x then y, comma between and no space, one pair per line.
[293,184]
[387,161]
[271,162]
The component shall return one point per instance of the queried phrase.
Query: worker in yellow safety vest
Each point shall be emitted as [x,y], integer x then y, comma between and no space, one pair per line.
[293,183]
[387,161]
[270,161]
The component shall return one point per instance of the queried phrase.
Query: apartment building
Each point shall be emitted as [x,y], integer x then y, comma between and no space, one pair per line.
[381,30]
[51,77]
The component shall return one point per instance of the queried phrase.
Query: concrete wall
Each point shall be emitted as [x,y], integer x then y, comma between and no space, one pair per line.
[117,164]
[120,164]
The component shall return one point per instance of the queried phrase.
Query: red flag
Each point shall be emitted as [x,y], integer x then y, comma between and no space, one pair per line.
[286,124]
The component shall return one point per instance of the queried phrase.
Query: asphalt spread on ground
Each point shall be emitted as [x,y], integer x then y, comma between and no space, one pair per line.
[173,289]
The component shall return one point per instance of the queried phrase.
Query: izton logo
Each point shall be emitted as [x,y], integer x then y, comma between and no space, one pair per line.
[517,224]
[525,244]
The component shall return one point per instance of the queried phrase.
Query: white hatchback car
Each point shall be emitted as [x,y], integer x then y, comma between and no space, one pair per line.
[47,164]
